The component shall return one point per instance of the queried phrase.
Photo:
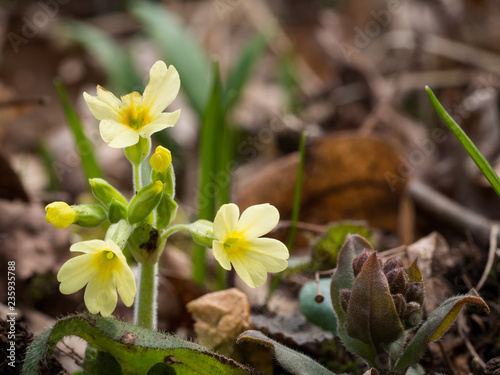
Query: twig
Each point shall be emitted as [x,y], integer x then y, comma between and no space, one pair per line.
[491,255]
[451,212]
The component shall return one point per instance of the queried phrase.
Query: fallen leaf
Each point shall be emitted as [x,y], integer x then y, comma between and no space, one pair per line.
[345,177]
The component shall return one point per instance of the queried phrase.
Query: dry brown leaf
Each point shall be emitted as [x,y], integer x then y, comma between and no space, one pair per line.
[345,177]
[434,259]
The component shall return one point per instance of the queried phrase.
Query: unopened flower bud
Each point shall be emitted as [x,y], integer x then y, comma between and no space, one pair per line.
[60,214]
[89,215]
[415,292]
[202,232]
[412,315]
[360,260]
[392,263]
[105,192]
[161,160]
[345,296]
[398,281]
[400,303]
[144,202]
[117,211]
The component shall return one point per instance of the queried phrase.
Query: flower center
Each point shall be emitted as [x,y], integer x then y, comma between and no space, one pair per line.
[233,245]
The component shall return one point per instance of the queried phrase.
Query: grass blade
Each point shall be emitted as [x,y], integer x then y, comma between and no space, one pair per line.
[466,142]
[84,146]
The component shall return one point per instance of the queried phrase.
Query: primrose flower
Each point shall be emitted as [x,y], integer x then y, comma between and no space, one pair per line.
[238,243]
[60,214]
[124,121]
[104,270]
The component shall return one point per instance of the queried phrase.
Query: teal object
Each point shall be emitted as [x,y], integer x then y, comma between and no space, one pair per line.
[321,314]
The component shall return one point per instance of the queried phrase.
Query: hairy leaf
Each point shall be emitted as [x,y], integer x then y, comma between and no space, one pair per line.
[436,325]
[135,349]
[343,278]
[292,361]
[372,316]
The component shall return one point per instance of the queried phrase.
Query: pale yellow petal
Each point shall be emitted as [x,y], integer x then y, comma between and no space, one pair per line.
[159,122]
[109,98]
[132,100]
[100,109]
[258,220]
[89,247]
[220,255]
[250,271]
[162,88]
[76,273]
[226,220]
[125,284]
[100,295]
[273,254]
[118,135]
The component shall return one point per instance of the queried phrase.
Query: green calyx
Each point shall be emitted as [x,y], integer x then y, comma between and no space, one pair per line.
[144,202]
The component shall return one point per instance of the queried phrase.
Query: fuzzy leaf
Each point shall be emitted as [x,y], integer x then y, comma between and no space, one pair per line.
[322,313]
[343,278]
[292,361]
[372,316]
[135,349]
[436,325]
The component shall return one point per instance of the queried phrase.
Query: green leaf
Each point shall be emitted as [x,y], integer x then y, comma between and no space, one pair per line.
[471,149]
[112,58]
[84,146]
[322,313]
[343,278]
[135,349]
[436,325]
[243,68]
[292,361]
[372,316]
[179,48]
[208,187]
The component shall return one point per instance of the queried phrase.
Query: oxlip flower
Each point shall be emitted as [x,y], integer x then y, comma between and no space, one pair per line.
[238,244]
[135,115]
[103,269]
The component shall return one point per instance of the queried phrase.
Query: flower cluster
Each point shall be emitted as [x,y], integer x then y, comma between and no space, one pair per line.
[143,223]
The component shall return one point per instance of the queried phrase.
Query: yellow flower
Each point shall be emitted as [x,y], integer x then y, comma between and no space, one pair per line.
[160,161]
[60,214]
[104,270]
[238,243]
[124,121]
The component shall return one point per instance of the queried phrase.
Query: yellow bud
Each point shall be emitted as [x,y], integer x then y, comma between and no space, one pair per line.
[60,214]
[161,159]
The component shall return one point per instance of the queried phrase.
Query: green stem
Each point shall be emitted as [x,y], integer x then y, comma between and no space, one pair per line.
[147,292]
[173,229]
[137,177]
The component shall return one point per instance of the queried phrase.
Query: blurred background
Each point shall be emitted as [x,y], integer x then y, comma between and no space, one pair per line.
[350,73]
